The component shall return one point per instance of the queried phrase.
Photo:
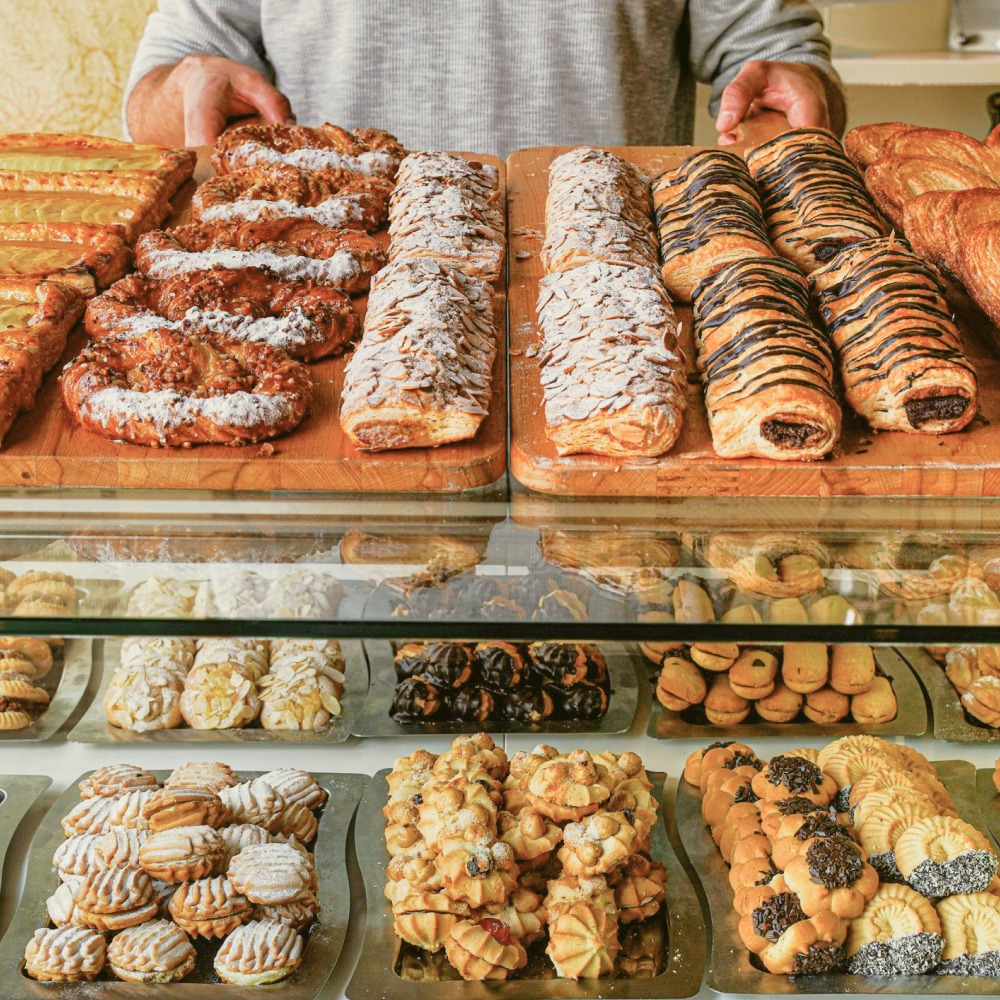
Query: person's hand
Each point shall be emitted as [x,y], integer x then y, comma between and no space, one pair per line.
[213,89]
[794,89]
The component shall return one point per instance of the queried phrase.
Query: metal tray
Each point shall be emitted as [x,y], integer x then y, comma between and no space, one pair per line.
[376,976]
[19,793]
[325,938]
[70,674]
[95,728]
[730,969]
[375,720]
[989,800]
[911,714]
[951,724]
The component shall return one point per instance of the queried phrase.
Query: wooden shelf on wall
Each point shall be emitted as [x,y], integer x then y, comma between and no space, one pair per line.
[920,69]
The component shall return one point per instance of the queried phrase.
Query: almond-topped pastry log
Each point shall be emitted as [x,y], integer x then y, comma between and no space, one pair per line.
[767,369]
[900,353]
[422,374]
[611,367]
[708,215]
[162,388]
[290,248]
[813,197]
[244,304]
[363,150]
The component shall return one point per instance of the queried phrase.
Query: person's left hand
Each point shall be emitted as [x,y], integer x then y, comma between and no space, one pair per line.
[794,89]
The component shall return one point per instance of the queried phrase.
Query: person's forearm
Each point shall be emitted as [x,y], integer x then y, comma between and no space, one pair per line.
[156,108]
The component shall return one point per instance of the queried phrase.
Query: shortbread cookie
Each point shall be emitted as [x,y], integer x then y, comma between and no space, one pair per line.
[183,854]
[178,806]
[209,907]
[262,951]
[111,899]
[202,774]
[65,955]
[270,874]
[114,780]
[154,952]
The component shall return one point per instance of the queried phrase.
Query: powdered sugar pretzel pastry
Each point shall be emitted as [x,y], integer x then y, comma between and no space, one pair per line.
[293,249]
[370,151]
[164,388]
[249,304]
[332,196]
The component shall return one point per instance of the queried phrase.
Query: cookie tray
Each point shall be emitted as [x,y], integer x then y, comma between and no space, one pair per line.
[77,661]
[729,967]
[375,720]
[951,724]
[323,946]
[18,793]
[95,728]
[989,800]
[911,713]
[377,974]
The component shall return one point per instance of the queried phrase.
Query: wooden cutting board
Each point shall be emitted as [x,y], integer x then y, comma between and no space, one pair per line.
[46,448]
[864,463]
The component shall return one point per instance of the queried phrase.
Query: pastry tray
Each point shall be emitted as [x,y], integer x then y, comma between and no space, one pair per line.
[19,794]
[323,946]
[95,728]
[374,719]
[376,976]
[911,713]
[729,967]
[76,660]
[989,800]
[951,724]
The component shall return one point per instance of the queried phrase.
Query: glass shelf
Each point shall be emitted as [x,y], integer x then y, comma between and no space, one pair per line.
[508,564]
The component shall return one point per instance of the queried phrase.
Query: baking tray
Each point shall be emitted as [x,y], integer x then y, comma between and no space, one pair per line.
[376,976]
[374,718]
[951,724]
[989,800]
[20,792]
[729,968]
[76,661]
[95,728]
[911,713]
[325,940]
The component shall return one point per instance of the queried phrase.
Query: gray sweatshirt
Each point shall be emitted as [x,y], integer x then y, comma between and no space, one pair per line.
[492,75]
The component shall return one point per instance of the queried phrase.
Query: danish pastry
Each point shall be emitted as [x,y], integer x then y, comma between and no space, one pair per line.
[157,951]
[259,952]
[228,393]
[976,257]
[65,955]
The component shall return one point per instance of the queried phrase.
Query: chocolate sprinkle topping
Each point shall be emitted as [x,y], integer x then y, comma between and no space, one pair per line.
[774,916]
[721,745]
[740,759]
[820,826]
[834,862]
[768,875]
[796,773]
[906,956]
[745,794]
[799,805]
[969,872]
[821,957]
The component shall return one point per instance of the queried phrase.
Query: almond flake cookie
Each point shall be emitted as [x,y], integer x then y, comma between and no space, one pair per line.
[219,696]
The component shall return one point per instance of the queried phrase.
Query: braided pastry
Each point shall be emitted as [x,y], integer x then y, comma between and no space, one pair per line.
[900,354]
[813,197]
[611,368]
[708,215]
[422,374]
[249,304]
[333,196]
[362,150]
[768,371]
[161,388]
[292,249]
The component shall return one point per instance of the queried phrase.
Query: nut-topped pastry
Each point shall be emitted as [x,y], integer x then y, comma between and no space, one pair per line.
[569,788]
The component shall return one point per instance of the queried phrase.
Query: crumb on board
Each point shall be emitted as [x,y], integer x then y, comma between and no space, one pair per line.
[266,449]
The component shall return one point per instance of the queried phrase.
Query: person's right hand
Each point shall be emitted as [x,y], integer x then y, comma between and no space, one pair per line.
[214,89]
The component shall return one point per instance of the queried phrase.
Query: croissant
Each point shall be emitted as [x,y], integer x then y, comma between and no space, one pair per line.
[768,372]
[900,354]
[937,223]
[708,215]
[813,197]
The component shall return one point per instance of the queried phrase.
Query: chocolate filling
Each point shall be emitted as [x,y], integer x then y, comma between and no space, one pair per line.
[788,435]
[796,773]
[774,916]
[920,411]
[834,862]
[820,826]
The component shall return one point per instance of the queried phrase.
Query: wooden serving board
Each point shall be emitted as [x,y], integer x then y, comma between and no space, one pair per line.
[864,463]
[45,447]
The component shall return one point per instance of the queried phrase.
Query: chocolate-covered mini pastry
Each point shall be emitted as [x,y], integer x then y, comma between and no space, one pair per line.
[409,659]
[447,664]
[558,662]
[415,699]
[597,666]
[498,665]
[528,705]
[559,606]
[583,701]
[471,704]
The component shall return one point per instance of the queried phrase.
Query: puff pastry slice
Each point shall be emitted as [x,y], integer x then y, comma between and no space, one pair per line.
[864,144]
[937,222]
[978,265]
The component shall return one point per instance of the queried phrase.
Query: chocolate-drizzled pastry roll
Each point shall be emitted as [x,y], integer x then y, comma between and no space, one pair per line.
[611,368]
[813,197]
[707,215]
[767,370]
[900,354]
[597,209]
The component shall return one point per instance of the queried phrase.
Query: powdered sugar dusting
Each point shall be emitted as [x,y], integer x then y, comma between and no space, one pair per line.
[335,271]
[376,163]
[332,212]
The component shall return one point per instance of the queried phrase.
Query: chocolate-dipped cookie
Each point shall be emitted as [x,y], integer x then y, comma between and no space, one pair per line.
[498,665]
[415,699]
[583,701]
